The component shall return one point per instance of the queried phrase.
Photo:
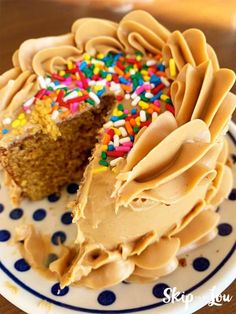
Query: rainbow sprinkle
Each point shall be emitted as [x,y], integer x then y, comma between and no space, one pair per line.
[138,83]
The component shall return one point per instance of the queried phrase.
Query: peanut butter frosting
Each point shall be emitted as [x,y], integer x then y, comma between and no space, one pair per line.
[159,200]
[151,218]
[138,30]
[189,47]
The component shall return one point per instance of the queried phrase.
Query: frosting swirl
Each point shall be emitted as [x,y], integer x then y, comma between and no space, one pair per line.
[138,30]
[15,90]
[29,49]
[149,176]
[189,47]
[92,35]
[202,93]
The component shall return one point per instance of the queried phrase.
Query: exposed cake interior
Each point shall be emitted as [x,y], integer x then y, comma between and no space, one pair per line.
[47,141]
[41,165]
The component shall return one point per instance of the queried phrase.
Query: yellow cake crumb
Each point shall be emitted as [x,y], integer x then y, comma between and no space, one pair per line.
[41,116]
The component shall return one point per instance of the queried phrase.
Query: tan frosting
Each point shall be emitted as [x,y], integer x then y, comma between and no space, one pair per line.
[139,235]
[36,247]
[50,59]
[135,219]
[200,92]
[138,30]
[146,275]
[93,35]
[187,146]
[11,88]
[9,75]
[104,226]
[101,277]
[207,219]
[31,47]
[223,182]
[188,47]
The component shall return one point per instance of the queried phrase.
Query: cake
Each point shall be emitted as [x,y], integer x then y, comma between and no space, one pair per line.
[138,114]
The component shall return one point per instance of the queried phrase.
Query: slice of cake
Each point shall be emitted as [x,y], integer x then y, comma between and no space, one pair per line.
[158,166]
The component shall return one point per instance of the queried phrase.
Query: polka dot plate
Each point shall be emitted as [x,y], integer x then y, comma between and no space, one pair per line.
[211,266]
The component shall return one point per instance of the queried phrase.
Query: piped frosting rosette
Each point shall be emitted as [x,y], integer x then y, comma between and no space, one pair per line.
[202,93]
[20,83]
[150,175]
[189,47]
[198,93]
[138,30]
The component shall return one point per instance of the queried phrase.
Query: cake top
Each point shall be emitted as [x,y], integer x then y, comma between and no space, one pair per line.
[81,84]
[55,78]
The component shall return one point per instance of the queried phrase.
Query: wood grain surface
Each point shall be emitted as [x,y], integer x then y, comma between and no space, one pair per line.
[23,19]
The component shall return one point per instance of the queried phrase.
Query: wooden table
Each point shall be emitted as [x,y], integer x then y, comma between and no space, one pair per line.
[23,19]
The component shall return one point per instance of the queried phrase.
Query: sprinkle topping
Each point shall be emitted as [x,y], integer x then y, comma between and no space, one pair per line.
[138,83]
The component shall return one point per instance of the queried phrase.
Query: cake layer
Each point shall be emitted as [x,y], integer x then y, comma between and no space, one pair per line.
[39,165]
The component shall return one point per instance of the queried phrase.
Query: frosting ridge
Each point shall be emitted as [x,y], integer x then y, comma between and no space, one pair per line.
[189,47]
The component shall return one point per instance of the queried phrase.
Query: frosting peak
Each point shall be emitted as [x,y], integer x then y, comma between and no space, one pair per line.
[157,165]
[202,93]
[189,47]
[31,47]
[140,31]
[92,35]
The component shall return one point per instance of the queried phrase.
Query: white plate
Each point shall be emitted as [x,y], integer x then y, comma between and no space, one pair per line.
[34,293]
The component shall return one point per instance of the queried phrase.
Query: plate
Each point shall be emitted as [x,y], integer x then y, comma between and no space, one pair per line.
[209,270]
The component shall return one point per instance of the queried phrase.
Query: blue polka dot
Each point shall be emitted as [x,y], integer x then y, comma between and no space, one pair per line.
[201,263]
[4,235]
[232,195]
[21,265]
[58,237]
[106,297]
[53,198]
[39,214]
[158,290]
[57,291]
[66,218]
[72,188]
[1,208]
[16,213]
[224,229]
